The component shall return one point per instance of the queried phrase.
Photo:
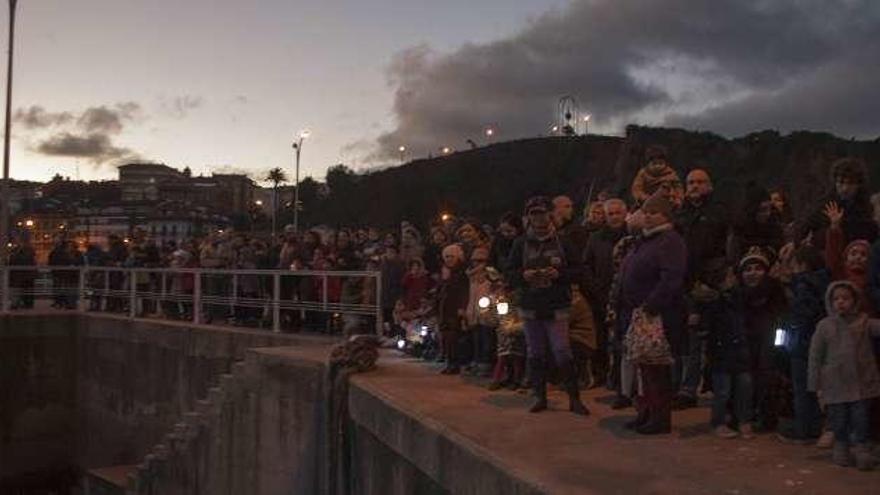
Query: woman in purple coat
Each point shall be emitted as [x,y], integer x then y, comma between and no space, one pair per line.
[652,278]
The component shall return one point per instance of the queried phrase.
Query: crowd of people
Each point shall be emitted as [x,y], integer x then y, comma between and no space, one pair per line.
[662,295]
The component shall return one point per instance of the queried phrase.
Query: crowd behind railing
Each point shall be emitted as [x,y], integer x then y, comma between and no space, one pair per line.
[664,295]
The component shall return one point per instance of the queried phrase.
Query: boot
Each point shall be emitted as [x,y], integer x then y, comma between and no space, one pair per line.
[573,390]
[657,389]
[864,458]
[539,385]
[840,454]
[641,417]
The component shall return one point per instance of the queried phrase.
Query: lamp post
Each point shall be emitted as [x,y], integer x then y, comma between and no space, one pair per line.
[587,124]
[4,205]
[402,151]
[297,145]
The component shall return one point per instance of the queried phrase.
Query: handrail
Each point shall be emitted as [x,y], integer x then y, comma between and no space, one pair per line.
[207,292]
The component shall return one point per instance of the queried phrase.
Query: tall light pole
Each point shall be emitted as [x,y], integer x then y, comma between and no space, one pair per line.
[4,205]
[587,124]
[297,145]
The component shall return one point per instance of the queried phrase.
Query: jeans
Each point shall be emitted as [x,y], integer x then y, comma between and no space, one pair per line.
[541,334]
[807,421]
[692,366]
[483,341]
[740,384]
[849,419]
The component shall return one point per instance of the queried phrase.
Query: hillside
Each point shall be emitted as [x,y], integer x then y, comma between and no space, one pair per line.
[487,181]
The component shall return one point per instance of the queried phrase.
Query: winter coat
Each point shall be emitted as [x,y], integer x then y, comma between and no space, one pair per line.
[479,287]
[807,308]
[652,276]
[599,266]
[554,300]
[835,253]
[874,276]
[647,181]
[392,281]
[511,339]
[842,363]
[500,253]
[415,287]
[582,324]
[452,300]
[705,229]
[721,319]
[763,308]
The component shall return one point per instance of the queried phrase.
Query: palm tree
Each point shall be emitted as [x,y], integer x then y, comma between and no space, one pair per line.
[276,176]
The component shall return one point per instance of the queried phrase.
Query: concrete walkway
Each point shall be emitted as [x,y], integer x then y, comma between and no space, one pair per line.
[557,452]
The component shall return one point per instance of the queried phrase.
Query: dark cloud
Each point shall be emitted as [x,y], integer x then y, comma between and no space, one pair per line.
[36,117]
[107,120]
[725,65]
[181,106]
[96,147]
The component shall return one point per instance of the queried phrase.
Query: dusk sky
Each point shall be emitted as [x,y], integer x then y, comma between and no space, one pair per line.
[223,85]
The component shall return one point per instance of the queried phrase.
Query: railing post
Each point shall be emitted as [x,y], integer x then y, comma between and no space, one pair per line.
[379,322]
[106,289]
[132,293]
[324,292]
[197,297]
[276,302]
[163,292]
[81,290]
[234,298]
[6,303]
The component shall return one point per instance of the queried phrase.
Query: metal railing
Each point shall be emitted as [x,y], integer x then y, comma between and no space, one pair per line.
[275,299]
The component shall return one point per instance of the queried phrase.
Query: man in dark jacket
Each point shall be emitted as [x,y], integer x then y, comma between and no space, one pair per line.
[541,269]
[599,274]
[704,224]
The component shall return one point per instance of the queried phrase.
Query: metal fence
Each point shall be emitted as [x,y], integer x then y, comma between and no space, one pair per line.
[276,299]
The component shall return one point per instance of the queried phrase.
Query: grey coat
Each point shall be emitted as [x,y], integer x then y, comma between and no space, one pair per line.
[842,363]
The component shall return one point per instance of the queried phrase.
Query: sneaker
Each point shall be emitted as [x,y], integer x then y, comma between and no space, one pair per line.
[746,431]
[826,441]
[792,440]
[725,432]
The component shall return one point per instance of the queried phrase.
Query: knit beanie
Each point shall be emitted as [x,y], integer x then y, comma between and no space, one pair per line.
[754,255]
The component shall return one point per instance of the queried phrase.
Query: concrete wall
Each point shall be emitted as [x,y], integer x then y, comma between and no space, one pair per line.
[37,399]
[79,390]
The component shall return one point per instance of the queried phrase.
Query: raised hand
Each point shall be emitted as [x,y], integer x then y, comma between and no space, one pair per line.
[834,213]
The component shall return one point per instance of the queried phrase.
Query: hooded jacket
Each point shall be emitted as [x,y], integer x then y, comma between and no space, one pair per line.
[842,363]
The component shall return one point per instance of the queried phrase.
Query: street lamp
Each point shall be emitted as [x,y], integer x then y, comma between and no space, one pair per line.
[258,202]
[401,150]
[490,132]
[297,145]
[587,124]
[4,204]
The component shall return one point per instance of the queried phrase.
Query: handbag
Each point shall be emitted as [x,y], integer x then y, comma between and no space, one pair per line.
[645,342]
